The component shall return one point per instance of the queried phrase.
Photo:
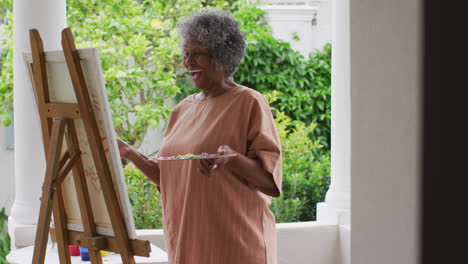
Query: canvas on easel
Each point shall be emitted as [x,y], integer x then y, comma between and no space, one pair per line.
[84,181]
[61,90]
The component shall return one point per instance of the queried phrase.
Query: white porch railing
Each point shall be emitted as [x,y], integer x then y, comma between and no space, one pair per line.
[289,2]
[298,243]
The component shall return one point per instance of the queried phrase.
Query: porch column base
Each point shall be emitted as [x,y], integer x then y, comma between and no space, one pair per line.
[327,214]
[22,235]
[336,209]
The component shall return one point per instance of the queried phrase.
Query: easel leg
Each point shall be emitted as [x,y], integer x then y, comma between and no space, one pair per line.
[61,226]
[95,256]
[53,159]
[82,193]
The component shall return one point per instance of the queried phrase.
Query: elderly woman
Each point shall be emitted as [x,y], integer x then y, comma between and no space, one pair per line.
[216,211]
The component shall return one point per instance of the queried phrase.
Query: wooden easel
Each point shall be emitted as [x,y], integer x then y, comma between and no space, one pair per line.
[58,122]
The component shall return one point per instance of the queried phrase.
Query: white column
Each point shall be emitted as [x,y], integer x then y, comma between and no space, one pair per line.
[49,17]
[336,208]
[387,62]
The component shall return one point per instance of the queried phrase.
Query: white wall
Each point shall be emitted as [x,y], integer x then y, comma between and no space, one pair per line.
[386,64]
[7,172]
[311,23]
[289,21]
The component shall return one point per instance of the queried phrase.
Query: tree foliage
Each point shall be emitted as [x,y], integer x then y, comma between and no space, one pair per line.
[6,61]
[139,55]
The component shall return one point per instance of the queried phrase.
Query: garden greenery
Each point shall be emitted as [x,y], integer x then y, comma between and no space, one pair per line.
[304,85]
[6,60]
[139,56]
[5,245]
[144,78]
[145,199]
[306,169]
[271,64]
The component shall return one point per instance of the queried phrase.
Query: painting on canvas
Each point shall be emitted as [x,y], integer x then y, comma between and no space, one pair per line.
[61,91]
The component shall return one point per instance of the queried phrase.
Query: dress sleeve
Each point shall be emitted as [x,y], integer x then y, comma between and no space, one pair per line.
[263,141]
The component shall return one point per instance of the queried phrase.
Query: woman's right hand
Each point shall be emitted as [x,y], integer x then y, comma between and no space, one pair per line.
[124,148]
[149,168]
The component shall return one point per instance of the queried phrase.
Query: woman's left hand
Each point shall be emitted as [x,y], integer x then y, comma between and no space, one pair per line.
[208,166]
[249,171]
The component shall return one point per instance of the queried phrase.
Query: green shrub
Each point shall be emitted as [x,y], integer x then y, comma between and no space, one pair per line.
[306,170]
[144,198]
[271,64]
[5,245]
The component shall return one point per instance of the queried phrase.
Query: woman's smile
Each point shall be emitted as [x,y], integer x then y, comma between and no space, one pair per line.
[196,74]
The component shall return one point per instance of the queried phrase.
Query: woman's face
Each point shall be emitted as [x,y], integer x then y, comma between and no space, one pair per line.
[205,76]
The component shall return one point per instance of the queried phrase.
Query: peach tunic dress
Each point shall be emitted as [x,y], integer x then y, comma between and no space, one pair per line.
[219,219]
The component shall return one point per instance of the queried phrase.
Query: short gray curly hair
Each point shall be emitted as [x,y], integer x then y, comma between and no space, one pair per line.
[219,33]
